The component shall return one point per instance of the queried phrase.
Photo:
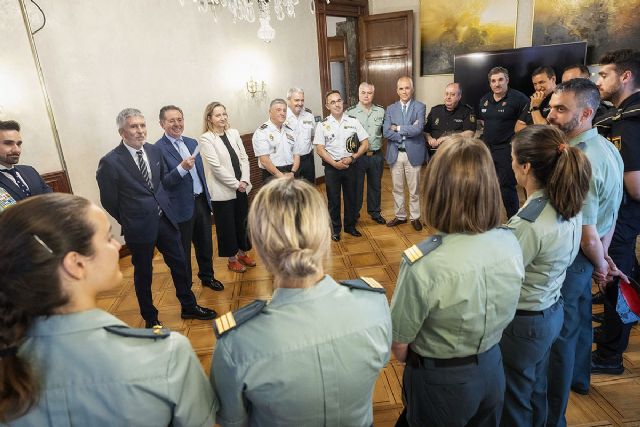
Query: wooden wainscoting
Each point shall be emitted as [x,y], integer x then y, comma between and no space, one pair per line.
[58,181]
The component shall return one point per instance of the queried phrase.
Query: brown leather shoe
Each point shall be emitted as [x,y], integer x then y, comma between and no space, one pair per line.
[236,266]
[396,221]
[246,260]
[417,225]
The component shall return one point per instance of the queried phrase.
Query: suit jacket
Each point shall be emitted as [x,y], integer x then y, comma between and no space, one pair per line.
[127,197]
[31,177]
[217,164]
[180,188]
[411,129]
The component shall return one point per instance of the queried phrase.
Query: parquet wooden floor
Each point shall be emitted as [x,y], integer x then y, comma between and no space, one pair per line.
[613,400]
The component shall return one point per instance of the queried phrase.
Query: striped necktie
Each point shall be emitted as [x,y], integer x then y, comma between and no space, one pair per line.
[19,182]
[143,168]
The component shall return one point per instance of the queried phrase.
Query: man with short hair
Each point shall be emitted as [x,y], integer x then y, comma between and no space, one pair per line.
[302,122]
[130,182]
[619,82]
[576,71]
[371,164]
[273,144]
[187,187]
[449,118]
[499,111]
[544,82]
[573,105]
[406,151]
[340,141]
[17,182]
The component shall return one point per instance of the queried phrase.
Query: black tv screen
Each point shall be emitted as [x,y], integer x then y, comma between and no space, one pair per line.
[471,69]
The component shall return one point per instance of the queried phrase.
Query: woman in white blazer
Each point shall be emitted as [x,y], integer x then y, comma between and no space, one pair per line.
[226,168]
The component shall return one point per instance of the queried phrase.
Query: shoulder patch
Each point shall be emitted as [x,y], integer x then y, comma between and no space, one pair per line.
[232,320]
[534,208]
[353,117]
[264,126]
[365,284]
[415,252]
[125,331]
[308,110]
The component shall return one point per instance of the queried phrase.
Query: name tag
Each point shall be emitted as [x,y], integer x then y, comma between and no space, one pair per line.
[457,120]
[484,110]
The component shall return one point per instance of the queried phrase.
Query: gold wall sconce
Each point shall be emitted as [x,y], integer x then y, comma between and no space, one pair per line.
[255,88]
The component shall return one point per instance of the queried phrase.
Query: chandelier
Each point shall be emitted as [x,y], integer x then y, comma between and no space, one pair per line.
[245,10]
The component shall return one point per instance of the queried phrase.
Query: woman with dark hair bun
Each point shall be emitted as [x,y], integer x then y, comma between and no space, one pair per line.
[64,361]
[549,226]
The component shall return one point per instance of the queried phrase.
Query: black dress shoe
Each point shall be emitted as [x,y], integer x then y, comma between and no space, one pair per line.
[597,298]
[396,221]
[151,323]
[214,284]
[599,335]
[417,225]
[601,365]
[198,312]
[580,390]
[379,219]
[597,318]
[354,232]
[335,237]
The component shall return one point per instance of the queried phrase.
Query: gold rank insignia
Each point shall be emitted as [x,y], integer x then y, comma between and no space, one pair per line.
[437,121]
[225,323]
[472,118]
[617,141]
[372,282]
[413,253]
[270,137]
[486,103]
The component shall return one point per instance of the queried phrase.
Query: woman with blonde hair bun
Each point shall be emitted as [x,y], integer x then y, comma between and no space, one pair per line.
[312,355]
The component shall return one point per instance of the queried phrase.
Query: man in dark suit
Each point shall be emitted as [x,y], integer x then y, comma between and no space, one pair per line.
[17,182]
[187,187]
[130,182]
[406,151]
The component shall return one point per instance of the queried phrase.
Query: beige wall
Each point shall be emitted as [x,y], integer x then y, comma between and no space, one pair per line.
[430,89]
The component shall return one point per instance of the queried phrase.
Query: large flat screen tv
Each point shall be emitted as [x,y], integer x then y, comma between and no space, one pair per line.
[471,69]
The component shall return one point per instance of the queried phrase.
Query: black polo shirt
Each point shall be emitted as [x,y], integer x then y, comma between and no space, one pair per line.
[625,132]
[544,110]
[500,116]
[441,121]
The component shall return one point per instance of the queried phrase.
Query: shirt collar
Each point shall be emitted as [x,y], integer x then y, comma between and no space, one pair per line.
[588,134]
[274,127]
[132,150]
[172,139]
[59,324]
[282,296]
[407,104]
[634,97]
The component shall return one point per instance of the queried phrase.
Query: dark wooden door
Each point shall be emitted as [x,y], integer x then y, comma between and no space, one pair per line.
[386,52]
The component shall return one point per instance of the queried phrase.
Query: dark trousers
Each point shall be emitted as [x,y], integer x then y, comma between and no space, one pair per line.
[622,252]
[307,168]
[372,167]
[570,360]
[469,395]
[526,346]
[198,230]
[231,224]
[169,244]
[337,180]
[266,175]
[501,155]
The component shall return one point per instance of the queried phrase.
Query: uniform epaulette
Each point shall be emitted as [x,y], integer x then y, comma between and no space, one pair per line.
[506,227]
[534,208]
[353,117]
[378,105]
[326,118]
[415,252]
[365,284]
[468,106]
[231,320]
[308,110]
[125,331]
[264,126]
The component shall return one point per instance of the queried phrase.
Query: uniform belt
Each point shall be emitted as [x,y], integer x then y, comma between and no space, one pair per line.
[448,363]
[372,153]
[528,313]
[304,156]
[402,150]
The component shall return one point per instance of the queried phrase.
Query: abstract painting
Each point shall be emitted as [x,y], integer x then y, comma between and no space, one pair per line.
[449,28]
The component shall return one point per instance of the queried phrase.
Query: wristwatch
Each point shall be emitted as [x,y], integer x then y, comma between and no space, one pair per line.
[353,159]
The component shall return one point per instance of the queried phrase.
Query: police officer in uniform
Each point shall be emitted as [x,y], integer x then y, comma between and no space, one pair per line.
[340,141]
[499,111]
[312,355]
[548,228]
[454,298]
[371,117]
[273,144]
[449,118]
[302,122]
[619,82]
[544,82]
[72,363]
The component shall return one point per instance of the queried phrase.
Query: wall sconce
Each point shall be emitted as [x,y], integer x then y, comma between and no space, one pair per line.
[255,87]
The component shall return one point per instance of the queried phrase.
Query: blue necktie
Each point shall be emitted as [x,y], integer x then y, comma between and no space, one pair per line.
[184,153]
[404,113]
[19,182]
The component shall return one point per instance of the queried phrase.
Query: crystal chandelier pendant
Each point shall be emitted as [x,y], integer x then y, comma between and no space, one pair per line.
[266,32]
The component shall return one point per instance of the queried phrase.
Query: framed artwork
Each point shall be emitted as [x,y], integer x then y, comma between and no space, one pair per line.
[604,24]
[449,28]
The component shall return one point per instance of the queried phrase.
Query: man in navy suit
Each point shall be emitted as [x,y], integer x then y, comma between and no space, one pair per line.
[406,151]
[130,182]
[16,182]
[187,187]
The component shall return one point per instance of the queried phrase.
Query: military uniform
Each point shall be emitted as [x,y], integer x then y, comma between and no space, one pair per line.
[500,118]
[372,163]
[309,358]
[95,371]
[570,361]
[335,135]
[543,108]
[303,127]
[442,122]
[549,245]
[452,301]
[277,144]
[622,128]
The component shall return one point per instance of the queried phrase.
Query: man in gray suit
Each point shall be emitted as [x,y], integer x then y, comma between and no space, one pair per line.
[406,151]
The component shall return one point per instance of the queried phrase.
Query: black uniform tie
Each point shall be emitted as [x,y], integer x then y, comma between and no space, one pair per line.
[19,182]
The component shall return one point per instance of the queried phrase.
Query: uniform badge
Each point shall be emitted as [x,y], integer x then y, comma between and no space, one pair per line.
[270,137]
[617,141]
[486,103]
[437,121]
[353,143]
[504,103]
[472,118]
[290,137]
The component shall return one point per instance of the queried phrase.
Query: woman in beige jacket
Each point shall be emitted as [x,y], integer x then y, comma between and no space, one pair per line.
[226,168]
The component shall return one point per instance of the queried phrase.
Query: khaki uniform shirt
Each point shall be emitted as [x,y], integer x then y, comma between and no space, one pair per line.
[456,300]
[277,144]
[303,128]
[91,377]
[549,245]
[333,135]
[310,358]
[371,121]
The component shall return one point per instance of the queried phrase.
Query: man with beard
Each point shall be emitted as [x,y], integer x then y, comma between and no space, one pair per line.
[573,105]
